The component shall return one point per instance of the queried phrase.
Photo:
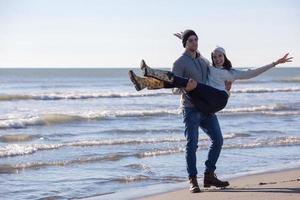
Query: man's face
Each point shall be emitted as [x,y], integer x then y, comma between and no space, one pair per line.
[192,43]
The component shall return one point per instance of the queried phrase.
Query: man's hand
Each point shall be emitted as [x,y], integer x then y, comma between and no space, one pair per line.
[228,85]
[190,85]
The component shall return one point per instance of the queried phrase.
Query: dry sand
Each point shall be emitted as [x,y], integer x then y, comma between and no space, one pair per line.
[283,185]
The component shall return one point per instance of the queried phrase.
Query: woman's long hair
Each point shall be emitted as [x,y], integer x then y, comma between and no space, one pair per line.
[227,64]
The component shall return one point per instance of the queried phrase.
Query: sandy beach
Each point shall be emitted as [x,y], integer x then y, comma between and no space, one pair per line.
[280,185]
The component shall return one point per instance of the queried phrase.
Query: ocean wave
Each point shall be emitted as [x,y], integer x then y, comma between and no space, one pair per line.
[142,130]
[291,80]
[17,138]
[130,179]
[265,90]
[284,80]
[279,141]
[72,96]
[139,178]
[56,118]
[61,118]
[81,96]
[138,166]
[272,109]
[159,152]
[289,113]
[43,119]
[15,168]
[22,149]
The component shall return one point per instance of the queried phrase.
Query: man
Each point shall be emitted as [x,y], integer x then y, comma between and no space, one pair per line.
[192,65]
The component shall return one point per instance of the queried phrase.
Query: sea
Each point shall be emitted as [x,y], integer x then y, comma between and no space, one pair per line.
[87,133]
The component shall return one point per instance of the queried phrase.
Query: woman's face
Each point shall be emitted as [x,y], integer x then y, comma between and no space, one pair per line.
[218,58]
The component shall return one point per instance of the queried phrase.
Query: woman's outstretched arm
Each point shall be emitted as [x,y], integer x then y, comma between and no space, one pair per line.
[251,73]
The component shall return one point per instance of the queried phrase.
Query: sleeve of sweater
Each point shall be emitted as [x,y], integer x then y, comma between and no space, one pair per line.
[250,73]
[178,70]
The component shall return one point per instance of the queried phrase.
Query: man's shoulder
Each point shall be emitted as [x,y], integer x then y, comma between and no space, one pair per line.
[179,61]
[205,60]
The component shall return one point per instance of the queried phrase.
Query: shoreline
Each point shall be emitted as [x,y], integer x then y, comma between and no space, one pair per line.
[276,184]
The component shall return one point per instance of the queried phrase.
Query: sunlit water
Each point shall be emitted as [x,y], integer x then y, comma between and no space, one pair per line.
[75,133]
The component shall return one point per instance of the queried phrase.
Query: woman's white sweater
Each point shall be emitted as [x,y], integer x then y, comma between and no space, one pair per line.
[218,76]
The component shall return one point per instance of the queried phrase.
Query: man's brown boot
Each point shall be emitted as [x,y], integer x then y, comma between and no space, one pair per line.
[194,188]
[210,179]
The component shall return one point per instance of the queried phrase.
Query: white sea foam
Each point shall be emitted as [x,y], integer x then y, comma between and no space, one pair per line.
[78,95]
[22,149]
[62,118]
[58,118]
[280,141]
[96,95]
[272,109]
[266,90]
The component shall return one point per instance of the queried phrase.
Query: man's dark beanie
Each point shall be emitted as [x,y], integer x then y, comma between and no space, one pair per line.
[186,34]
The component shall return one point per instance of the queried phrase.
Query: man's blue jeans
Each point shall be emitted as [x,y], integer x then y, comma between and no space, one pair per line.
[193,119]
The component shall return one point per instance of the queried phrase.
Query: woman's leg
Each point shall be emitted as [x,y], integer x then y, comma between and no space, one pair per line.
[156,73]
[207,98]
[146,82]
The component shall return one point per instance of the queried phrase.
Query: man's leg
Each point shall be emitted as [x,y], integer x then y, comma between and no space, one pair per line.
[191,119]
[212,128]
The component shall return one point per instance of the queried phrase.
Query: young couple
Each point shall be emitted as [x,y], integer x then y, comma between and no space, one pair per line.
[204,91]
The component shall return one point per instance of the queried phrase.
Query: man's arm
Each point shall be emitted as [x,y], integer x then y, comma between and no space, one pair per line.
[178,70]
[228,85]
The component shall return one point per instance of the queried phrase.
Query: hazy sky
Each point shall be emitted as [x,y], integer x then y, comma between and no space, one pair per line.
[119,33]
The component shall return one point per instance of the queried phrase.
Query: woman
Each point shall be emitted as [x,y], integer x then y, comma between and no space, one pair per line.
[208,98]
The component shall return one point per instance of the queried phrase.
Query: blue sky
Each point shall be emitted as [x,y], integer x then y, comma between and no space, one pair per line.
[98,33]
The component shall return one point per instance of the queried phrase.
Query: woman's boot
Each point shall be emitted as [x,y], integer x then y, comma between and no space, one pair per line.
[156,73]
[141,82]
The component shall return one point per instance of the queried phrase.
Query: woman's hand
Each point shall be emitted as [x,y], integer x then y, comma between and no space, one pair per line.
[190,85]
[284,59]
[178,35]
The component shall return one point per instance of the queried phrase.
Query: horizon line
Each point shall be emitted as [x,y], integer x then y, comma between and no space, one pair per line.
[99,67]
